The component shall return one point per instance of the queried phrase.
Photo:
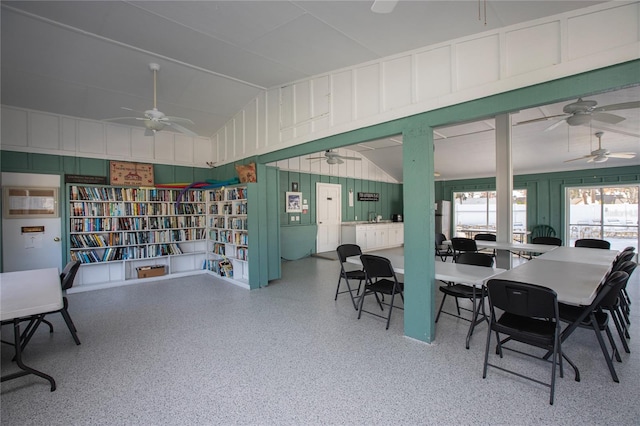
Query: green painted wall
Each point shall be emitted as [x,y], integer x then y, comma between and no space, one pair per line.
[546,191]
[299,238]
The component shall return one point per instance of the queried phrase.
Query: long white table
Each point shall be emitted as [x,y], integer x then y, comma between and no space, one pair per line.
[575,283]
[24,294]
[444,271]
[581,255]
[517,247]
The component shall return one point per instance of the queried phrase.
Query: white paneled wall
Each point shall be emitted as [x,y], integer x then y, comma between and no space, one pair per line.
[433,77]
[363,169]
[44,133]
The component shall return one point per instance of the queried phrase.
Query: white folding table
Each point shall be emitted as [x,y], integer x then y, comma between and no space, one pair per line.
[449,272]
[581,255]
[24,295]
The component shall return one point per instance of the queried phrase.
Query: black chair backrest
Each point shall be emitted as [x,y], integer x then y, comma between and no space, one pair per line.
[593,243]
[551,241]
[348,250]
[527,300]
[377,266]
[478,259]
[68,274]
[463,244]
[616,281]
[626,266]
[440,238]
[542,231]
[629,248]
[485,237]
[623,256]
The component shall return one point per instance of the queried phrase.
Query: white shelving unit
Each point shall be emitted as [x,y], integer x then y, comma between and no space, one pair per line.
[114,230]
[228,234]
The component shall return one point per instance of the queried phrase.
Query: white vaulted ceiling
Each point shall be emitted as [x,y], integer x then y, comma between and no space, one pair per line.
[89,58]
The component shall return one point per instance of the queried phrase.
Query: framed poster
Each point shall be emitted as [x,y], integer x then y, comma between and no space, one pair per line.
[23,202]
[294,202]
[122,173]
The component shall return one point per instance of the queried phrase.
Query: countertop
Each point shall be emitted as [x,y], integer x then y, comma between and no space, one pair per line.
[382,222]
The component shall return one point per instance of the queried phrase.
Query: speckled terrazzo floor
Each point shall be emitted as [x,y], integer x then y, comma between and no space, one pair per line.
[199,351]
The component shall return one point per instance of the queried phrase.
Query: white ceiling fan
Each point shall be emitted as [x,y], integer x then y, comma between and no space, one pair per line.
[582,112]
[601,155]
[155,120]
[333,157]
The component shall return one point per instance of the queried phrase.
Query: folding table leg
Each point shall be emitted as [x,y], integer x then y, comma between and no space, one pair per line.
[25,370]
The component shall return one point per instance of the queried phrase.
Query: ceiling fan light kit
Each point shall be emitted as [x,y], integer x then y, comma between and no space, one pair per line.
[601,155]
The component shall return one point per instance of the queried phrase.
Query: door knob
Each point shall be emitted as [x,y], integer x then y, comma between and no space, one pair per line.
[56,239]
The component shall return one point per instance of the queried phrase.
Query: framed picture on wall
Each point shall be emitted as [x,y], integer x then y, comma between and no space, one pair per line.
[294,186]
[293,202]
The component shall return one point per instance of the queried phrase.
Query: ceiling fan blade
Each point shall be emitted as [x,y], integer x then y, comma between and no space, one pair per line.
[122,118]
[181,129]
[607,118]
[177,120]
[622,155]
[554,125]
[623,105]
[316,158]
[347,158]
[584,157]
[383,6]
[535,120]
[602,159]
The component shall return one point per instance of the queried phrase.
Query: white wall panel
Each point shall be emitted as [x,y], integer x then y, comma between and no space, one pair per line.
[524,56]
[91,138]
[228,141]
[433,73]
[341,97]
[202,151]
[142,147]
[45,131]
[14,128]
[286,107]
[183,149]
[68,137]
[215,149]
[251,126]
[367,90]
[397,84]
[477,62]
[601,31]
[238,146]
[320,96]
[164,146]
[273,117]
[302,102]
[261,120]
[118,141]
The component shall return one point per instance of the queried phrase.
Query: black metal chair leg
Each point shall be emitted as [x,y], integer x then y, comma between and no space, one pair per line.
[604,349]
[70,325]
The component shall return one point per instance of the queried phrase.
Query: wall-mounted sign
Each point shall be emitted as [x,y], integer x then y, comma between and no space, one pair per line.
[368,196]
[30,229]
[130,174]
[93,180]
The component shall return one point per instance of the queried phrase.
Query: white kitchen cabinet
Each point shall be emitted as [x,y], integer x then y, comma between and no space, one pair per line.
[373,236]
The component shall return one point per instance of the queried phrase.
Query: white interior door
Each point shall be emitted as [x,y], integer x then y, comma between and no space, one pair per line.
[22,251]
[329,216]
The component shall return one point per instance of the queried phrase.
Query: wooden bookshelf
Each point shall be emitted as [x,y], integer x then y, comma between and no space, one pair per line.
[114,230]
[228,234]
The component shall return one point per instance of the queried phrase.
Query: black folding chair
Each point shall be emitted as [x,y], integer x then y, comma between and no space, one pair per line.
[593,243]
[463,245]
[380,279]
[344,251]
[464,291]
[531,316]
[442,250]
[593,317]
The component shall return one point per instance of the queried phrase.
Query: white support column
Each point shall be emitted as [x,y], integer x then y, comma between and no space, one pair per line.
[504,188]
